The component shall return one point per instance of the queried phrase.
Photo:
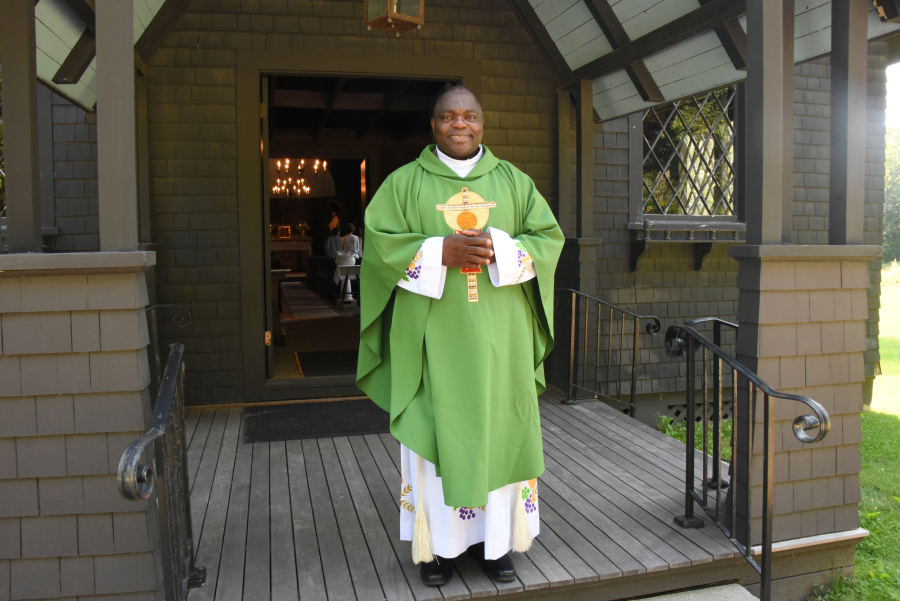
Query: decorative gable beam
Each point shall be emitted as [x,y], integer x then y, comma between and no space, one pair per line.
[390,102]
[159,25]
[612,28]
[707,17]
[84,10]
[532,24]
[78,59]
[332,98]
[734,41]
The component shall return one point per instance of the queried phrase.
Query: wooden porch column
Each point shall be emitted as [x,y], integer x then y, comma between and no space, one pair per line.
[20,127]
[787,111]
[849,28]
[116,149]
[766,127]
[584,167]
[565,212]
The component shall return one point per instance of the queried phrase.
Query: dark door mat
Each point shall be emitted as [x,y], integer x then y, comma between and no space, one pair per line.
[314,420]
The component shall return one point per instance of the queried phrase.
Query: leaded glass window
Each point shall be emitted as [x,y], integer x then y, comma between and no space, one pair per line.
[688,155]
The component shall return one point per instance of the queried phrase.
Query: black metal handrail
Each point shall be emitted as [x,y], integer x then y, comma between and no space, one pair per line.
[180,319]
[137,480]
[603,390]
[685,340]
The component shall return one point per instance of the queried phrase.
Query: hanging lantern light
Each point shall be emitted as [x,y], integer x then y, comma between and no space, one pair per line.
[395,16]
[888,10]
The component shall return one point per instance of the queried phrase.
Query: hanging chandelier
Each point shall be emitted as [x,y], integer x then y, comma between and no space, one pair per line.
[294,181]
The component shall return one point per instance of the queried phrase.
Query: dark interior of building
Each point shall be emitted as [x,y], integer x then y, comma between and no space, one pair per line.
[332,141]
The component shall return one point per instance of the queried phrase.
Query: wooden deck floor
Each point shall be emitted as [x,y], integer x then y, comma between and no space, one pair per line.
[319,519]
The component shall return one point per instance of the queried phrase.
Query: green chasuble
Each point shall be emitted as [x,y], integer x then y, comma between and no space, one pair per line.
[460,379]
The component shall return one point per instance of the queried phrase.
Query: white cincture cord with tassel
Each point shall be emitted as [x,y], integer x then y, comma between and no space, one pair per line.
[521,531]
[421,544]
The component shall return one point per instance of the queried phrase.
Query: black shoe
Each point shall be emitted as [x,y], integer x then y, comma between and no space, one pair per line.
[500,569]
[437,572]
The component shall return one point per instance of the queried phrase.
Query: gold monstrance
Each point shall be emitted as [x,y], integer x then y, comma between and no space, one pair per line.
[464,215]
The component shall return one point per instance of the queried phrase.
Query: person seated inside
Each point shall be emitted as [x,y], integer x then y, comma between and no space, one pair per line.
[333,244]
[350,243]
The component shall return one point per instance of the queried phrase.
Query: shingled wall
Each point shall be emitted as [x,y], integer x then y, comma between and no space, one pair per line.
[74,393]
[194,189]
[192,112]
[665,283]
[74,177]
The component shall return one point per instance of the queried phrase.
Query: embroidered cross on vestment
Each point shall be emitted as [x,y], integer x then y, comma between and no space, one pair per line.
[467,211]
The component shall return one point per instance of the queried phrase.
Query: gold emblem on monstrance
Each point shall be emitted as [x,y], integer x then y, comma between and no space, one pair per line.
[467,211]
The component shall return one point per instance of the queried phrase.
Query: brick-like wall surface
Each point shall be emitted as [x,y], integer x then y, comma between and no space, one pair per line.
[812,128]
[73,394]
[810,328]
[193,165]
[193,162]
[75,177]
[665,283]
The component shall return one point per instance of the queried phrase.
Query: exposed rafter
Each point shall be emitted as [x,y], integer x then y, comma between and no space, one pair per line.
[532,24]
[707,17]
[390,102]
[85,49]
[351,101]
[78,59]
[158,27]
[332,98]
[84,10]
[734,41]
[612,28]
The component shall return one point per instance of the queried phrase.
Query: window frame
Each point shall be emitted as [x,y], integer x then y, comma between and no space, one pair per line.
[638,219]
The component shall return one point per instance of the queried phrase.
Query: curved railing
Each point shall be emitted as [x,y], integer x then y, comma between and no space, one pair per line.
[138,480]
[686,341]
[615,324]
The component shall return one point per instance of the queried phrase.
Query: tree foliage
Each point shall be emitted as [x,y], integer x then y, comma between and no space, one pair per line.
[892,195]
[686,172]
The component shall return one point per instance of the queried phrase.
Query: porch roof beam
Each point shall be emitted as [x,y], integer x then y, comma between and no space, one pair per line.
[848,121]
[390,102]
[84,10]
[683,28]
[78,59]
[535,28]
[332,99]
[308,99]
[612,28]
[733,39]
[20,121]
[159,25]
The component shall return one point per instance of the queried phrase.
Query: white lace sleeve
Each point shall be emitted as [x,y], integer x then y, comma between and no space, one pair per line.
[514,264]
[426,273]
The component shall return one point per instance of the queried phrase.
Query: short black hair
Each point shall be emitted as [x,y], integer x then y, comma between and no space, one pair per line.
[457,88]
[348,228]
[335,231]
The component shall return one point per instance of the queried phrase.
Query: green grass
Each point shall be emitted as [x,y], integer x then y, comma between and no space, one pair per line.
[678,431]
[877,573]
[878,556]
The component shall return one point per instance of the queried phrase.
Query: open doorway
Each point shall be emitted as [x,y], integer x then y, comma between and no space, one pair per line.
[331,142]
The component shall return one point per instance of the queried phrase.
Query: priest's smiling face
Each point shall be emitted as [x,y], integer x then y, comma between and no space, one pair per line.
[458,123]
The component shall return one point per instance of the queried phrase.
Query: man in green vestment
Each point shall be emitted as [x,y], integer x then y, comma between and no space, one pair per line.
[457,276]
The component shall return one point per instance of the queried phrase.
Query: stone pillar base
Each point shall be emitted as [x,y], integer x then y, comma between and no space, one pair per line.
[74,380]
[802,314]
